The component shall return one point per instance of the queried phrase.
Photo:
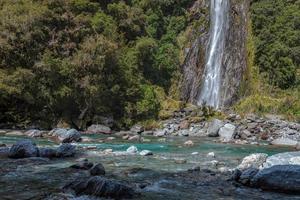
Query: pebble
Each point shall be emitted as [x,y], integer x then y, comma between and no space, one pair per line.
[211,155]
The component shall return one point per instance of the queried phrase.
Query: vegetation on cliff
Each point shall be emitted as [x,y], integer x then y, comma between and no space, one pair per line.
[75,59]
[273,59]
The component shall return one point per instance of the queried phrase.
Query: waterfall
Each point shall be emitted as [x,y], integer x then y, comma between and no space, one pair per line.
[210,91]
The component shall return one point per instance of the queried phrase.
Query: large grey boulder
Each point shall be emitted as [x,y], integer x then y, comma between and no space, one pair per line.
[98,128]
[214,127]
[101,187]
[255,160]
[65,135]
[227,132]
[279,178]
[24,149]
[288,158]
[66,150]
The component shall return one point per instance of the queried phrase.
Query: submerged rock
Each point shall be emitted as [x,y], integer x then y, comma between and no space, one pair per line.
[66,150]
[48,152]
[214,127]
[98,128]
[189,143]
[24,149]
[253,161]
[132,150]
[84,164]
[97,170]
[146,153]
[211,155]
[280,178]
[101,187]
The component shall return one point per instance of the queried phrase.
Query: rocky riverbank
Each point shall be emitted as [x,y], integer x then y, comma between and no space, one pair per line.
[185,157]
[230,128]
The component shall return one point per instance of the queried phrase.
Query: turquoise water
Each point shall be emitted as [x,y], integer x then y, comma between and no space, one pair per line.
[32,180]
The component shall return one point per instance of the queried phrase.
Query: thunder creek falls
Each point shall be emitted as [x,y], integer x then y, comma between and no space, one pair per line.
[149,100]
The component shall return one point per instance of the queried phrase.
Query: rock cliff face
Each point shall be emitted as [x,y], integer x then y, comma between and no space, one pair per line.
[234,61]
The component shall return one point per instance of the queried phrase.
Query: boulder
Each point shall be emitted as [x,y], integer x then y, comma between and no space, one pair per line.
[24,149]
[97,170]
[134,138]
[298,146]
[214,127]
[66,150]
[253,161]
[132,150]
[245,134]
[34,133]
[48,152]
[284,142]
[101,187]
[147,133]
[99,128]
[65,135]
[279,178]
[184,132]
[2,145]
[71,135]
[4,152]
[184,124]
[146,153]
[287,158]
[83,164]
[137,129]
[160,133]
[227,132]
[247,176]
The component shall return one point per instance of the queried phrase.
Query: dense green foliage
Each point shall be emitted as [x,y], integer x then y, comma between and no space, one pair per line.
[276,26]
[73,60]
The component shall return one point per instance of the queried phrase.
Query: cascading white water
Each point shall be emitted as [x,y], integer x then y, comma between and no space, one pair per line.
[210,91]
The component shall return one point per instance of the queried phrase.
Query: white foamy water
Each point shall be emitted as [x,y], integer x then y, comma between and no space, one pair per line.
[210,91]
